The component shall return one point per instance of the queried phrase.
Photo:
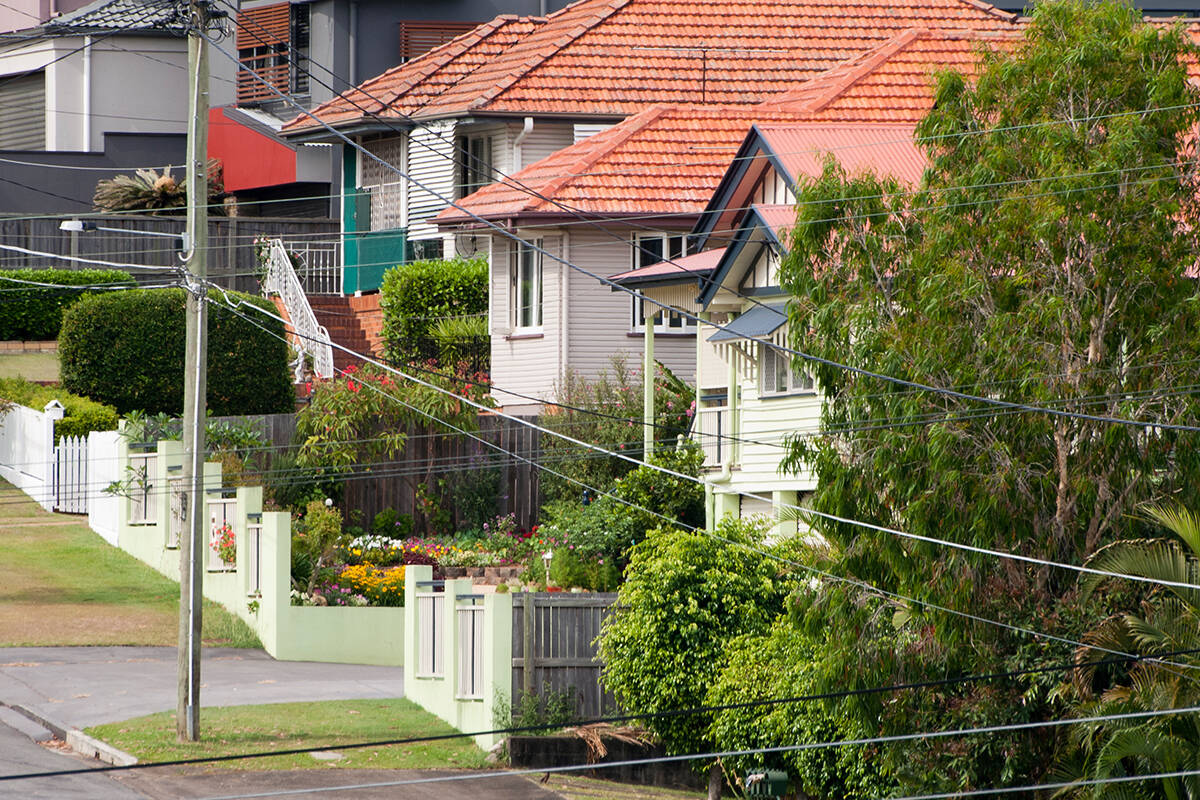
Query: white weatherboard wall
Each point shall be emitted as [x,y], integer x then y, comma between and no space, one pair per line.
[27,450]
[525,362]
[601,320]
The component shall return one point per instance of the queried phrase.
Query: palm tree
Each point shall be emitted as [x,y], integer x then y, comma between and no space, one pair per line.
[1166,621]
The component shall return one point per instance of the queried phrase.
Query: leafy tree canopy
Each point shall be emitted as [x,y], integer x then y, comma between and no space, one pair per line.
[1045,261]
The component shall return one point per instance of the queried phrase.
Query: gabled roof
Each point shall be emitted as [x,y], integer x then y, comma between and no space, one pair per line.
[615,57]
[892,82]
[664,161]
[145,17]
[798,150]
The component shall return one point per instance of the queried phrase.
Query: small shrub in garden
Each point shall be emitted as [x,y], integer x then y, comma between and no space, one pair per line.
[36,312]
[81,415]
[382,586]
[127,349]
[225,544]
[416,296]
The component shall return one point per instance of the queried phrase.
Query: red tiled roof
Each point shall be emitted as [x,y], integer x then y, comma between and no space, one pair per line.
[893,82]
[615,57]
[665,160]
[690,265]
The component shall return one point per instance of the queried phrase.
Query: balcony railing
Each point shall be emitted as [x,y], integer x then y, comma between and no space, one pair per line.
[712,431]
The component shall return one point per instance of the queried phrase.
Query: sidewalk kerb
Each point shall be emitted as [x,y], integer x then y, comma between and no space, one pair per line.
[77,740]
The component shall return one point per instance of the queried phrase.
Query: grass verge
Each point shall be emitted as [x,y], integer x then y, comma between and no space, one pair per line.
[576,787]
[30,366]
[64,585]
[235,730]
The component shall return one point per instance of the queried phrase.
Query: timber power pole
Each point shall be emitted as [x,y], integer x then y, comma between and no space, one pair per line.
[192,543]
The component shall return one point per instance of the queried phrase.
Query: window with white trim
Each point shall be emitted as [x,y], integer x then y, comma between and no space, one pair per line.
[649,249]
[475,167]
[527,286]
[778,374]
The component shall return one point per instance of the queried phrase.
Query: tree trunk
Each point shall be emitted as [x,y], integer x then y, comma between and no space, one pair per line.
[716,782]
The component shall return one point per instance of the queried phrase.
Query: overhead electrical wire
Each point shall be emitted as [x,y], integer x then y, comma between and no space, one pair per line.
[796,352]
[838,694]
[800,509]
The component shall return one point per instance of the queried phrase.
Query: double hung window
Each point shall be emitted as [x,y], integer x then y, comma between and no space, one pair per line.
[527,286]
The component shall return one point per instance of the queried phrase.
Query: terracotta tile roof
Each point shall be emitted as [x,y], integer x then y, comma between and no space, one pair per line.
[615,57]
[665,160]
[893,82]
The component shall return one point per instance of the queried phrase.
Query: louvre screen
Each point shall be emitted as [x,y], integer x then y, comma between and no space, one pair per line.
[23,112]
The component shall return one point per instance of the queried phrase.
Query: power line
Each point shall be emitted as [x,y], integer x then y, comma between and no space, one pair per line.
[803,355]
[630,717]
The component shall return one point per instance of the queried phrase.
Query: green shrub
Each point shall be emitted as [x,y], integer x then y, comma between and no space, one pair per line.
[779,665]
[80,414]
[415,297]
[607,528]
[686,596]
[127,349]
[36,312]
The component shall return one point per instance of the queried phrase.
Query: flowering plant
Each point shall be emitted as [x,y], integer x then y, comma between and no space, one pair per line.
[224,544]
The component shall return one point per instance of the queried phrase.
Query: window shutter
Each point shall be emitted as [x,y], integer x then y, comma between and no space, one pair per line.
[264,26]
[23,123]
[418,38]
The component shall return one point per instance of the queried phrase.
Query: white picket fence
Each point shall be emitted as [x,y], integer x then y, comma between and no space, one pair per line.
[71,475]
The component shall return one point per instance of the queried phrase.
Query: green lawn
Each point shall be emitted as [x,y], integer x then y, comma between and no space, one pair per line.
[64,585]
[31,366]
[308,726]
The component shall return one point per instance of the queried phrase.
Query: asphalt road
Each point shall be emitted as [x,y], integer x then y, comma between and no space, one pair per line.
[84,686]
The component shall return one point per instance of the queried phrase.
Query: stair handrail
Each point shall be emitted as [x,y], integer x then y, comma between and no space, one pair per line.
[310,337]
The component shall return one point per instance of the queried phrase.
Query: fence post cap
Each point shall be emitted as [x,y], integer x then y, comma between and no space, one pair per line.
[54,408]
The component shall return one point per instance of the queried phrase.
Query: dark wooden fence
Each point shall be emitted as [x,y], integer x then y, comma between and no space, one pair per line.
[554,649]
[458,466]
[503,480]
[232,262]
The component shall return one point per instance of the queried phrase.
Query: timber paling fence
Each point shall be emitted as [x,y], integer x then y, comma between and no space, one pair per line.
[554,650]
[427,457]
[232,261]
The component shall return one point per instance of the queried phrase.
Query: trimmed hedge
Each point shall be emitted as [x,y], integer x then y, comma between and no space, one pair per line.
[127,349]
[36,312]
[415,296]
[80,414]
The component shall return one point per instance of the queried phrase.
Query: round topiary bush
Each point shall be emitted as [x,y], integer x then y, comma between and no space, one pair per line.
[127,349]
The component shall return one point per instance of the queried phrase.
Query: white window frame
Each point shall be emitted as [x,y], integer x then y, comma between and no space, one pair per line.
[776,366]
[671,246]
[476,163]
[527,265]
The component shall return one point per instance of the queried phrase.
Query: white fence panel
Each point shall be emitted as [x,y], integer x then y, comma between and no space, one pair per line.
[430,663]
[143,494]
[27,450]
[71,475]
[220,513]
[470,651]
[104,510]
